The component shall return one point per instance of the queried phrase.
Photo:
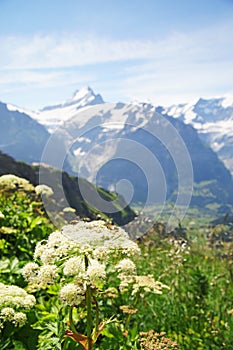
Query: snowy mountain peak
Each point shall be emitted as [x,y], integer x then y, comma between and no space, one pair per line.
[54,116]
[81,98]
[84,92]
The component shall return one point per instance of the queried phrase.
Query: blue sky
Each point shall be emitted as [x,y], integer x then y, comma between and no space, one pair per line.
[158,50]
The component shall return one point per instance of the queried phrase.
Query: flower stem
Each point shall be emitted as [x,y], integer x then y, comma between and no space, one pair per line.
[96,317]
[129,316]
[72,326]
[88,305]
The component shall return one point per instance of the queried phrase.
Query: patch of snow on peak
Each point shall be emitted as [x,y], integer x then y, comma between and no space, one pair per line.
[84,92]
[182,110]
[227,101]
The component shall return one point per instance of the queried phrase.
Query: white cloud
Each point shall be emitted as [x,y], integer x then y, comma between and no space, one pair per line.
[178,67]
[40,52]
[182,84]
[70,50]
[40,79]
[200,65]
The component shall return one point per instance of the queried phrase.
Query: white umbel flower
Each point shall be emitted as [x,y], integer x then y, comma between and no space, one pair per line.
[12,300]
[47,275]
[8,314]
[74,266]
[126,267]
[71,294]
[56,247]
[148,284]
[14,296]
[40,276]
[96,234]
[13,182]
[44,190]
[96,273]
[30,271]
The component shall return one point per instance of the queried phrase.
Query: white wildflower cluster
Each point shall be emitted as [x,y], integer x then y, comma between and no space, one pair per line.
[129,279]
[96,273]
[40,277]
[72,294]
[126,267]
[12,300]
[97,239]
[7,314]
[80,254]
[15,296]
[44,190]
[2,216]
[140,284]
[74,266]
[147,284]
[55,248]
[13,182]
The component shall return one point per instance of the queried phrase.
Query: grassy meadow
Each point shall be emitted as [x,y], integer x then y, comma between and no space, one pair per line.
[176,294]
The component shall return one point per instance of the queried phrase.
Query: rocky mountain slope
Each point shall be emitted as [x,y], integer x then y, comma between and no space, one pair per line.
[21,136]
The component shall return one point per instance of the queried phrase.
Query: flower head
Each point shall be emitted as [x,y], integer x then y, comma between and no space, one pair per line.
[147,284]
[126,267]
[72,294]
[56,247]
[8,314]
[30,271]
[13,182]
[96,273]
[40,276]
[44,190]
[14,300]
[74,266]
[15,296]
[99,239]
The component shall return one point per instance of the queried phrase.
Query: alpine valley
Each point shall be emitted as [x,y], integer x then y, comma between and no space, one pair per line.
[147,153]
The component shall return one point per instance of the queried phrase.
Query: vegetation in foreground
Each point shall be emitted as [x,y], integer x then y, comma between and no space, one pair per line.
[176,294]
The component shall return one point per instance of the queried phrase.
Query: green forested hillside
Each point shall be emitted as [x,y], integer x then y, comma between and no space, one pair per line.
[120,213]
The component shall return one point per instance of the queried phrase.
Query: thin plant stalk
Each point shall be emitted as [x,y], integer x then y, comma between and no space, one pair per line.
[88,305]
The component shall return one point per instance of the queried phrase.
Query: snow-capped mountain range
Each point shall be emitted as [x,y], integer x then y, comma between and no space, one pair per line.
[99,135]
[212,118]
